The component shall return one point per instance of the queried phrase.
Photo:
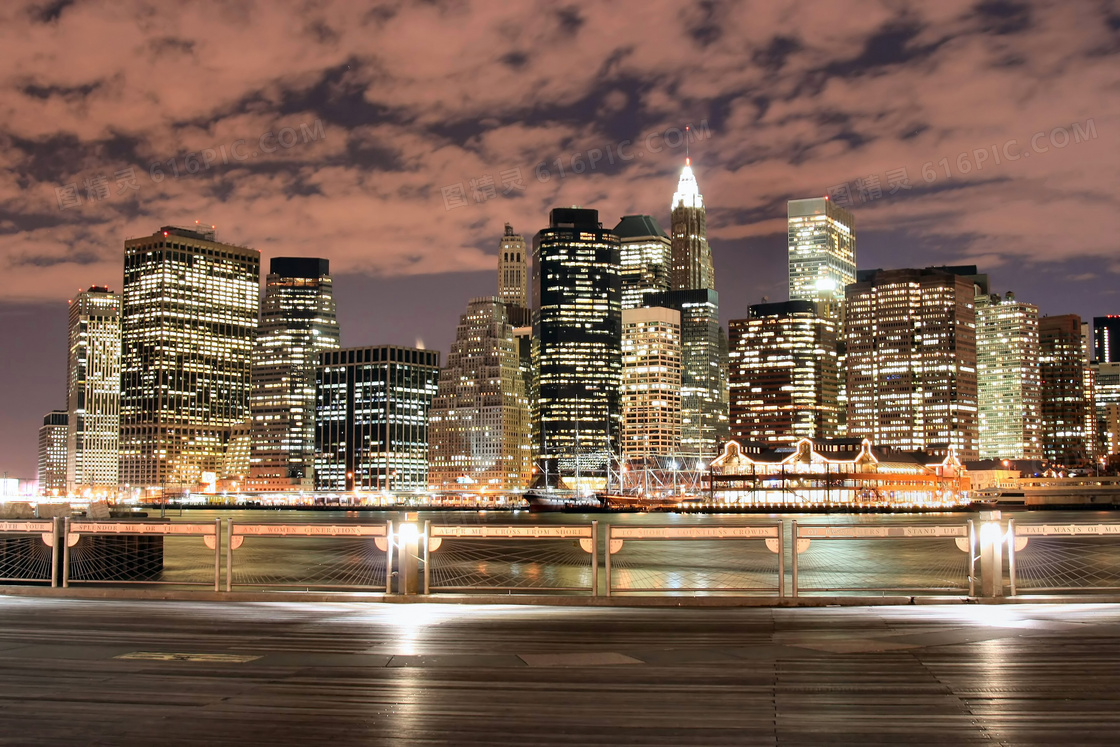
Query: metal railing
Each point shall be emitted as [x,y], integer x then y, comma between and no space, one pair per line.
[27,550]
[314,556]
[136,552]
[511,558]
[1061,557]
[696,559]
[862,556]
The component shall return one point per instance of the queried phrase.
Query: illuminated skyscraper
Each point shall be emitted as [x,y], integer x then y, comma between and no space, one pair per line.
[94,391]
[1008,378]
[1107,407]
[1066,400]
[577,330]
[911,368]
[783,374]
[371,418]
[297,323]
[188,316]
[1106,339]
[479,422]
[651,382]
[646,254]
[822,251]
[52,453]
[691,256]
[513,277]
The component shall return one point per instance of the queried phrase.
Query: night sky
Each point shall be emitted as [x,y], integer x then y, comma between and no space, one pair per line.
[396,138]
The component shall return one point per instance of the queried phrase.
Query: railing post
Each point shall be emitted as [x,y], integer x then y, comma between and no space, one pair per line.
[427,556]
[408,545]
[991,554]
[607,561]
[781,559]
[972,554]
[595,558]
[793,560]
[66,553]
[1011,554]
[217,554]
[389,556]
[229,555]
[56,524]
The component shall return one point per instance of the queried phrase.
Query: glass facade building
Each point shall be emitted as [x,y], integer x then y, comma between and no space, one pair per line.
[651,382]
[298,322]
[94,392]
[783,374]
[371,418]
[822,252]
[1106,339]
[646,257]
[188,316]
[1066,391]
[1010,416]
[577,341]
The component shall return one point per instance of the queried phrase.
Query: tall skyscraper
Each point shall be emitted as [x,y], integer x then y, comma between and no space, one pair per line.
[52,453]
[513,277]
[1010,415]
[371,418]
[297,323]
[822,252]
[783,374]
[693,268]
[1065,401]
[189,313]
[1106,339]
[577,330]
[651,382]
[704,389]
[94,392]
[479,422]
[911,368]
[646,254]
[1107,407]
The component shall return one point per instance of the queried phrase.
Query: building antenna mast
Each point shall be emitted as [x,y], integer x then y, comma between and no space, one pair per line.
[687,159]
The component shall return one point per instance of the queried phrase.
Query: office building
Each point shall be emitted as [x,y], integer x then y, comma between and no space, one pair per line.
[188,315]
[577,338]
[783,374]
[94,392]
[693,268]
[911,358]
[297,323]
[513,277]
[646,255]
[371,418]
[822,252]
[52,453]
[651,382]
[1106,377]
[1106,339]
[1066,402]
[1007,374]
[479,422]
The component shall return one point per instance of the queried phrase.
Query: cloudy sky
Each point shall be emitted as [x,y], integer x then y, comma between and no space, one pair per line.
[396,138]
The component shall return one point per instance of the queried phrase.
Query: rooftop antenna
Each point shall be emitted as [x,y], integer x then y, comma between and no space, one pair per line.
[687,159]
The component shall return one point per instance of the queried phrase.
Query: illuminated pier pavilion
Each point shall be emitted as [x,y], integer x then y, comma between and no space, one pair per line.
[843,472]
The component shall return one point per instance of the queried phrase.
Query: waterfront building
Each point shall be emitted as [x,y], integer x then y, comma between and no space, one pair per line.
[1106,338]
[692,268]
[298,321]
[1066,391]
[52,453]
[783,374]
[94,392]
[822,252]
[479,422]
[577,339]
[911,358]
[651,382]
[646,259]
[1007,373]
[371,418]
[1107,406]
[188,315]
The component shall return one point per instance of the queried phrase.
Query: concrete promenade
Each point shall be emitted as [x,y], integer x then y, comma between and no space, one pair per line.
[151,672]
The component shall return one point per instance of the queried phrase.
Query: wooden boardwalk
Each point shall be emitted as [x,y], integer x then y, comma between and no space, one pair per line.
[104,672]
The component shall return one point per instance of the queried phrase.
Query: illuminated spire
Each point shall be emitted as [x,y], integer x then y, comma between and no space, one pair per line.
[687,190]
